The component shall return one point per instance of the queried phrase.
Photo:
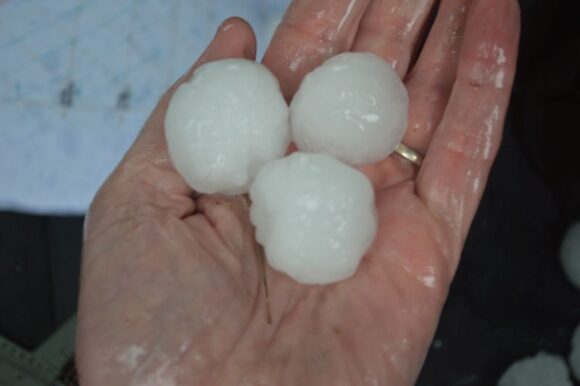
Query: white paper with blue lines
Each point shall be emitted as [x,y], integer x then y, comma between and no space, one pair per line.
[79,77]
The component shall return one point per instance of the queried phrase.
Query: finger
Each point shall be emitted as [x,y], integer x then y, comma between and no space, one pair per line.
[310,32]
[430,81]
[391,29]
[429,84]
[465,144]
[234,39]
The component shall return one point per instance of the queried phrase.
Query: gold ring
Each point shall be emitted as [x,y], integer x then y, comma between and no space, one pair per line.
[409,154]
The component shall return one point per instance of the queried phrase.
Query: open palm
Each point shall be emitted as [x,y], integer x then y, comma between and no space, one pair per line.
[171,289]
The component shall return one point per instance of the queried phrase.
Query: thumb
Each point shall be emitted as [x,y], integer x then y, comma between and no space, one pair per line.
[148,159]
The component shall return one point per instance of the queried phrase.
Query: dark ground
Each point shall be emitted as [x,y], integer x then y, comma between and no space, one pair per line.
[510,298]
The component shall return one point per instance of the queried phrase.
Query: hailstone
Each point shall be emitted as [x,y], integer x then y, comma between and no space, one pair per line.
[224,124]
[541,370]
[353,107]
[314,215]
[570,254]
[574,358]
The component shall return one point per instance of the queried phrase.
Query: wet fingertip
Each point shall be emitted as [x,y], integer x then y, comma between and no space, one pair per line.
[239,34]
[516,13]
[234,38]
[233,22]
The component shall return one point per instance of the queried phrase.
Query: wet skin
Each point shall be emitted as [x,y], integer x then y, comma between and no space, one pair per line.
[170,284]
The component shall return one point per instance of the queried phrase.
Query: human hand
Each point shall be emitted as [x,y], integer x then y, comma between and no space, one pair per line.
[170,285]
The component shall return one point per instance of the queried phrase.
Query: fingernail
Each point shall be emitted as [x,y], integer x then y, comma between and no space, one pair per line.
[224,26]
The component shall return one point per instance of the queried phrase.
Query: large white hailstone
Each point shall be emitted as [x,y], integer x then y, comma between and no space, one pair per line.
[225,123]
[541,370]
[314,215]
[353,107]
[570,254]
[574,361]
[574,358]
[576,337]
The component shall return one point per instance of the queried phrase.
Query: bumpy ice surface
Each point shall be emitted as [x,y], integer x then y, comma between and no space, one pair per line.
[353,107]
[570,254]
[541,370]
[224,124]
[314,215]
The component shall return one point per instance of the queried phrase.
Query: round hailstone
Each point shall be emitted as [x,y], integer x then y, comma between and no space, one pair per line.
[541,370]
[574,358]
[314,215]
[224,124]
[353,107]
[576,337]
[574,361]
[570,254]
